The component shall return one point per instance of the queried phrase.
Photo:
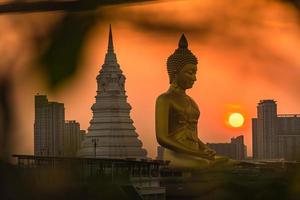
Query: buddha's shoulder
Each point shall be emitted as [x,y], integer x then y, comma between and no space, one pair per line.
[165,97]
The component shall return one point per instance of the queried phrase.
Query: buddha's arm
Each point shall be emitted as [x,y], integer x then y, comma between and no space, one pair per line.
[161,123]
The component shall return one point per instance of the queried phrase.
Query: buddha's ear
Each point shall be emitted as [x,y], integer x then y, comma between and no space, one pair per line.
[175,78]
[172,78]
[174,81]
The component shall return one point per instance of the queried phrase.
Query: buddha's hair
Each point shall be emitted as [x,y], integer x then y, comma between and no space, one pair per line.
[180,58]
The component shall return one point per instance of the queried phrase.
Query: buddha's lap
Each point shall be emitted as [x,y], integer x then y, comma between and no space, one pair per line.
[181,160]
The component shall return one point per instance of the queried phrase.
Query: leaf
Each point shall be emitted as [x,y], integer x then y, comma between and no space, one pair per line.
[59,60]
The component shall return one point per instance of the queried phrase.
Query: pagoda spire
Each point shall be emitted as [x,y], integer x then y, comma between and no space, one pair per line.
[110,57]
[110,47]
[111,133]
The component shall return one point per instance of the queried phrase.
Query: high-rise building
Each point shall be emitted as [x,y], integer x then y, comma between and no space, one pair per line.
[72,138]
[48,127]
[82,135]
[264,131]
[236,149]
[111,133]
[275,136]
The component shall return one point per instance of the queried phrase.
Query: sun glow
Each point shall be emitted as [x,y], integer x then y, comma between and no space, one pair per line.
[236,120]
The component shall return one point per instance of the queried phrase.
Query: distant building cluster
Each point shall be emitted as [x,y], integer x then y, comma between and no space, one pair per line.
[236,149]
[275,136]
[53,135]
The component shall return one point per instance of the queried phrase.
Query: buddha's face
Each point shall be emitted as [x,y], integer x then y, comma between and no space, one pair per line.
[187,76]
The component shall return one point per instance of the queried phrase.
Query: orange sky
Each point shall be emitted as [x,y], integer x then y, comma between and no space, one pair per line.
[247,51]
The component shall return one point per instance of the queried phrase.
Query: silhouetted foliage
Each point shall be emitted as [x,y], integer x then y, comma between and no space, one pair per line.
[60,59]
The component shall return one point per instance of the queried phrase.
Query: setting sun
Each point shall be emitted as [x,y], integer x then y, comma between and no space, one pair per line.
[236,119]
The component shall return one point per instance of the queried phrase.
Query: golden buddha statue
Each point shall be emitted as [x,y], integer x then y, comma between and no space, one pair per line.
[177,114]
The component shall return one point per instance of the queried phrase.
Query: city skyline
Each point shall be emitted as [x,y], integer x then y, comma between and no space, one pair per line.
[265,145]
[105,137]
[240,73]
[152,154]
[142,99]
[71,123]
[286,125]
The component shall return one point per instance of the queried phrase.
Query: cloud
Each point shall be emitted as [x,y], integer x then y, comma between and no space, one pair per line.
[261,34]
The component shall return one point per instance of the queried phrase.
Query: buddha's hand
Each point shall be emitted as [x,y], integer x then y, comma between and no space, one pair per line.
[206,155]
[210,151]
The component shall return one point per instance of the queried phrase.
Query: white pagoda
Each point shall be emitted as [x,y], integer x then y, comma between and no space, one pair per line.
[111,133]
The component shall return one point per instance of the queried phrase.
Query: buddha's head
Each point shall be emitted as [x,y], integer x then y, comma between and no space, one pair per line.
[182,66]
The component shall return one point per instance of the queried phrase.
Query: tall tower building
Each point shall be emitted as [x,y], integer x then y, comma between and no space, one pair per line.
[48,127]
[111,133]
[264,131]
[72,138]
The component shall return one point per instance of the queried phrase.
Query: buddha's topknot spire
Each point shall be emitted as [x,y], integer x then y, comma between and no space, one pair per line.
[183,43]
